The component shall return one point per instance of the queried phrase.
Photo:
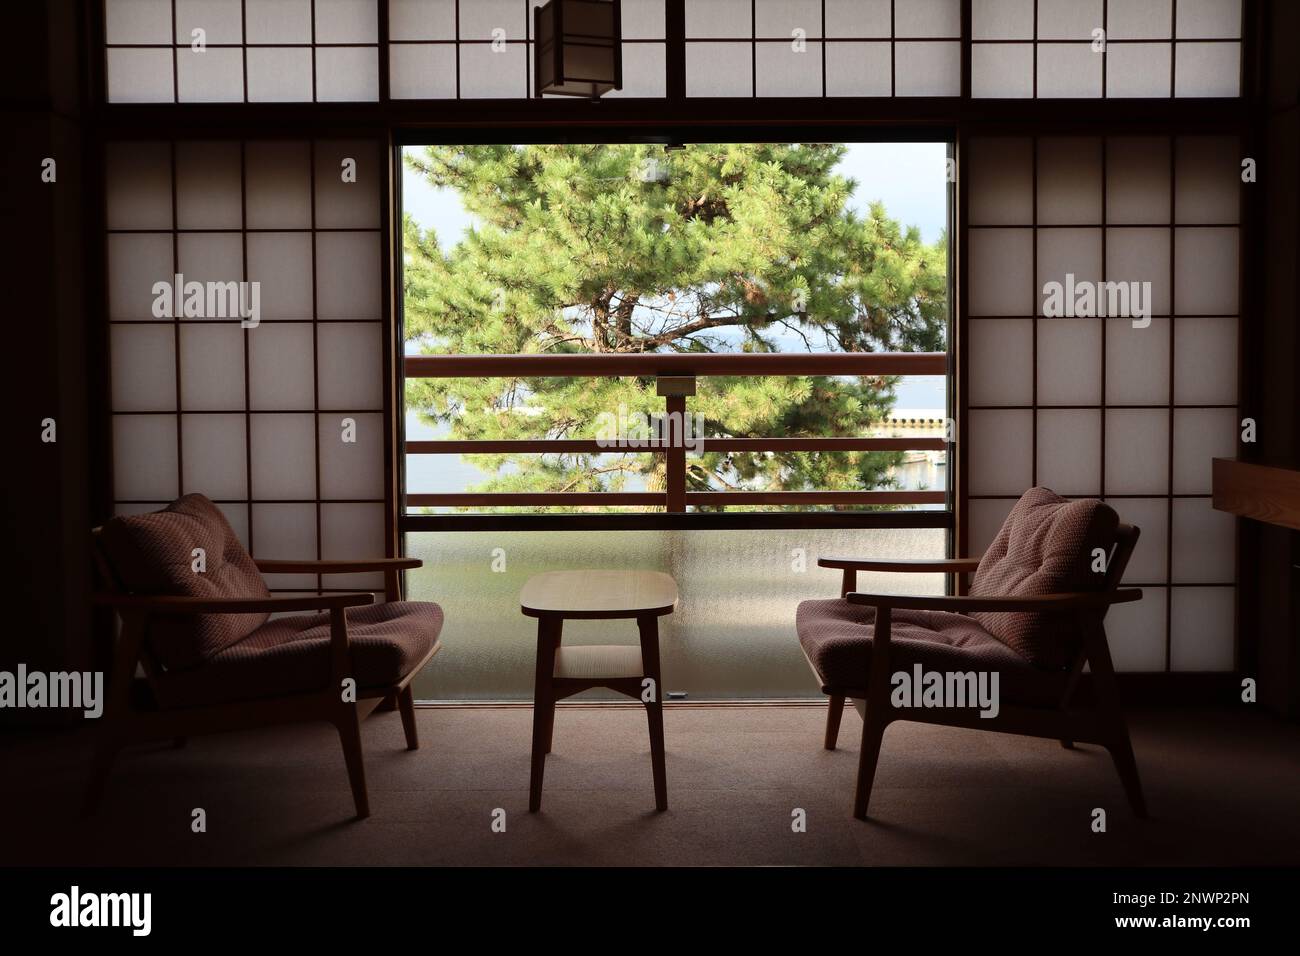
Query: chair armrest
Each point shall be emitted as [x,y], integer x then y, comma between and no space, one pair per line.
[176,604]
[961,604]
[946,565]
[268,566]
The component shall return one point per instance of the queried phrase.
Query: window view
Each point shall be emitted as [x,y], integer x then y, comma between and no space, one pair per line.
[818,257]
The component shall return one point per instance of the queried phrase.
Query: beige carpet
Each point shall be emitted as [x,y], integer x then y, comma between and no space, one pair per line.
[1223,788]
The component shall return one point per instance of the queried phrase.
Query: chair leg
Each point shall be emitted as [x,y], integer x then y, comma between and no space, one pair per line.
[101,768]
[1112,715]
[406,704]
[550,725]
[1121,751]
[1067,744]
[833,714]
[873,731]
[349,727]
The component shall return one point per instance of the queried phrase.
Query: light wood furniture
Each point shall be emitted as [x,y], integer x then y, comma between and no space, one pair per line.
[556,596]
[1099,721]
[1264,492]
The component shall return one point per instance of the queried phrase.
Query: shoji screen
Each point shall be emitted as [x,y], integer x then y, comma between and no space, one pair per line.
[253,51]
[281,422]
[1110,48]
[1093,406]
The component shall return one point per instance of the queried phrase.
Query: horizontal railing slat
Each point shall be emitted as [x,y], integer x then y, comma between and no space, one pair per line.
[674,363]
[602,498]
[594,447]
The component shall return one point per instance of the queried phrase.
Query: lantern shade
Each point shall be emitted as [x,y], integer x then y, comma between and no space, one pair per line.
[579,48]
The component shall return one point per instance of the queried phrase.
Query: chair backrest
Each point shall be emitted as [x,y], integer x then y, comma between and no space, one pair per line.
[1048,544]
[155,553]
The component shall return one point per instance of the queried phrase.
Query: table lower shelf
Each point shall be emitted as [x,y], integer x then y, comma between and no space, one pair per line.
[593,661]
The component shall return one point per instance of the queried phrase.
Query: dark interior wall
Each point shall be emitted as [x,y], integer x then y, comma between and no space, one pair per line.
[45,511]
[1273,365]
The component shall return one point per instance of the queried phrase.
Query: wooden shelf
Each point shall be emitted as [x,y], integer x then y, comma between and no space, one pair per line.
[1264,492]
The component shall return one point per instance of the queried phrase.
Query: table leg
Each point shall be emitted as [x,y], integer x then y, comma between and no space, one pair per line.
[649,628]
[557,638]
[543,705]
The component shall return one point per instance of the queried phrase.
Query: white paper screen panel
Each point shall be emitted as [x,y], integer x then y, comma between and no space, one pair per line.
[232,51]
[1088,49]
[275,410]
[1076,387]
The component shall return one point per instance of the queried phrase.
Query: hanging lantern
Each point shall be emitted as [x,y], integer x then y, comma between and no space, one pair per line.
[579,48]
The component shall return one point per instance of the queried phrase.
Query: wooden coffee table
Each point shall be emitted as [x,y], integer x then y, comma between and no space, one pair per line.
[557,596]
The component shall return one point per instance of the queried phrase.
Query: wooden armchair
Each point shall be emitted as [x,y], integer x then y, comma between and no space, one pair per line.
[214,660]
[1034,616]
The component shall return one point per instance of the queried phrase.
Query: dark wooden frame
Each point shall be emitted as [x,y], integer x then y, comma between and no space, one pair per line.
[1102,723]
[128,720]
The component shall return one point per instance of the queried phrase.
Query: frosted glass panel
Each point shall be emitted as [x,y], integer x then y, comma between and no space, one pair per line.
[1069,70]
[139,180]
[857,69]
[144,368]
[140,76]
[353,531]
[1139,19]
[144,457]
[1069,362]
[349,21]
[1001,357]
[644,71]
[207,186]
[480,18]
[352,204]
[1205,543]
[1137,362]
[1001,269]
[212,366]
[347,275]
[732,635]
[1002,70]
[285,532]
[1063,253]
[1202,628]
[719,69]
[138,21]
[280,366]
[426,20]
[1208,179]
[278,180]
[1069,180]
[1069,450]
[779,18]
[927,18]
[1137,69]
[1069,19]
[1201,435]
[1199,19]
[281,263]
[1140,255]
[1206,271]
[1205,361]
[781,71]
[220,20]
[1002,19]
[1150,558]
[489,75]
[216,257]
[927,69]
[425,71]
[1001,451]
[349,358]
[214,75]
[857,18]
[278,21]
[1207,69]
[642,19]
[284,456]
[1137,451]
[279,75]
[1136,631]
[1137,180]
[719,18]
[351,469]
[1000,172]
[986,518]
[347,74]
[215,455]
[135,262]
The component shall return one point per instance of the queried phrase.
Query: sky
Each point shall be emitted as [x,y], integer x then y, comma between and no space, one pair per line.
[910,179]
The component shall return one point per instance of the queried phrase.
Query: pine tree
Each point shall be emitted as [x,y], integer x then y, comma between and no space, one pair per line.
[631,248]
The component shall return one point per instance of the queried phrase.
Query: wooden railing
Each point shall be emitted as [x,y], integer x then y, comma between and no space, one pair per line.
[676,373]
